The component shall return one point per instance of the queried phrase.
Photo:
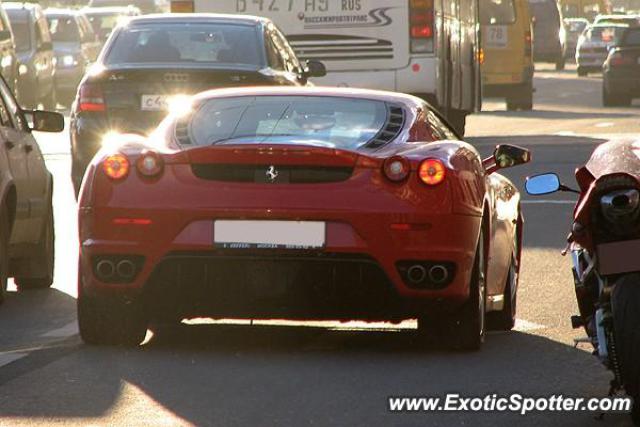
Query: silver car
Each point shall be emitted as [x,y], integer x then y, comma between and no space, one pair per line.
[594,44]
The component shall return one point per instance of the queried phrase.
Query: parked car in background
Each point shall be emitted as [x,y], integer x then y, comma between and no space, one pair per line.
[549,35]
[507,70]
[104,19]
[630,20]
[150,61]
[36,61]
[145,6]
[574,28]
[76,46]
[621,70]
[594,44]
[26,188]
[8,56]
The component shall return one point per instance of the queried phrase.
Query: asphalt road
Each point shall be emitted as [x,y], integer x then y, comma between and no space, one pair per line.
[325,374]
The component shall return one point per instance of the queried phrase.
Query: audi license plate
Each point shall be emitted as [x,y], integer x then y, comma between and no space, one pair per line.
[154,102]
[232,234]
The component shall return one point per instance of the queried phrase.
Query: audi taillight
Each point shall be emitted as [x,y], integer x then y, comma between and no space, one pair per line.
[432,171]
[396,168]
[421,29]
[91,98]
[150,164]
[116,166]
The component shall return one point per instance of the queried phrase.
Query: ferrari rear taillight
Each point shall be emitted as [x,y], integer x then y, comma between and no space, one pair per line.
[91,98]
[150,164]
[432,171]
[116,166]
[396,168]
[421,26]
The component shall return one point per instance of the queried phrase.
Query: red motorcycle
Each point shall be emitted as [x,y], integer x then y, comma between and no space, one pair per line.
[604,244]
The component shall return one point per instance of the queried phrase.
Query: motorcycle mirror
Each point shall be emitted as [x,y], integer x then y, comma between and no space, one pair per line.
[545,183]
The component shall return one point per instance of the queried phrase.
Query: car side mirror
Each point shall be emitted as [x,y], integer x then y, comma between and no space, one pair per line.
[545,183]
[506,156]
[45,46]
[45,121]
[5,35]
[315,69]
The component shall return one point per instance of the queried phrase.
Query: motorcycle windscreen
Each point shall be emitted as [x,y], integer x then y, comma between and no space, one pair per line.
[615,157]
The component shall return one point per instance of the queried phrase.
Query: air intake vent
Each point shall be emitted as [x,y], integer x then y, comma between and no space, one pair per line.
[395,122]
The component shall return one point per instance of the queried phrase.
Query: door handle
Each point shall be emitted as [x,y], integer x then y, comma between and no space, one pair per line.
[28,148]
[9,145]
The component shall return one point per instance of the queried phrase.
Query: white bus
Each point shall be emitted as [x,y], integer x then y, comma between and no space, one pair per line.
[429,48]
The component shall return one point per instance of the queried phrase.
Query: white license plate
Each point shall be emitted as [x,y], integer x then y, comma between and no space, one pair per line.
[496,36]
[230,234]
[154,102]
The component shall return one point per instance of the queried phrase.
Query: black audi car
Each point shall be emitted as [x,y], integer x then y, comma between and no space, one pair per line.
[621,70]
[151,60]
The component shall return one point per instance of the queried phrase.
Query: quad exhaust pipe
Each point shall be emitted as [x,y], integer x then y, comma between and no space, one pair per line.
[105,269]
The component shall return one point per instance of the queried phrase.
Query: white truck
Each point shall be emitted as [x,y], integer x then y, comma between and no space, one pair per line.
[429,48]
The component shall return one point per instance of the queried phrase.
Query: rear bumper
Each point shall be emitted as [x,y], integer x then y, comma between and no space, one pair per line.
[591,61]
[358,275]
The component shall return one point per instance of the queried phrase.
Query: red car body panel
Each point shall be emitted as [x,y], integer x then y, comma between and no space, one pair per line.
[366,214]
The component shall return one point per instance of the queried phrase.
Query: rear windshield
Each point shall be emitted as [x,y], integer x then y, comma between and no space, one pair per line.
[631,38]
[604,34]
[545,12]
[324,121]
[63,29]
[200,43]
[21,33]
[496,12]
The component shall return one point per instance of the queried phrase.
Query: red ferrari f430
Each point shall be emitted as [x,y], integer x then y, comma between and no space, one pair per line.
[299,203]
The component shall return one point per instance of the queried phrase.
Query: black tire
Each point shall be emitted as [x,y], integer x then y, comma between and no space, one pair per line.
[611,100]
[5,231]
[625,303]
[50,101]
[111,321]
[44,258]
[505,319]
[521,98]
[582,72]
[560,63]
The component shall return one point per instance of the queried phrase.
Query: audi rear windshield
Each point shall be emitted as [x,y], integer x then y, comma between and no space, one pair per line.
[186,43]
[334,122]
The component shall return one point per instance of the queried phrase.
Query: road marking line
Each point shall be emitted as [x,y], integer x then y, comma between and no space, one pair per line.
[68,330]
[524,326]
[550,202]
[10,357]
